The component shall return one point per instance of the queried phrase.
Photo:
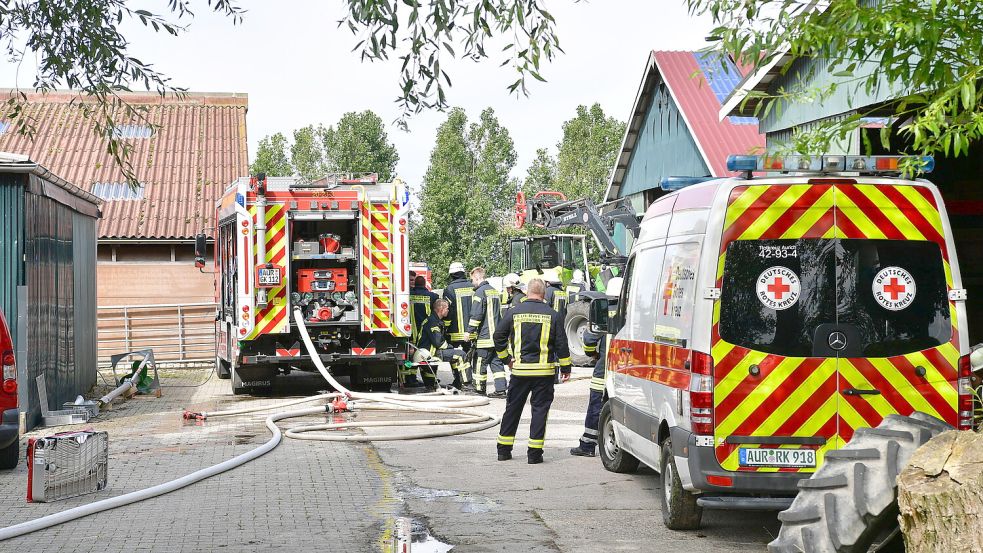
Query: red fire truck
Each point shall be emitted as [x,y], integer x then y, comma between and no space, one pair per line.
[337,250]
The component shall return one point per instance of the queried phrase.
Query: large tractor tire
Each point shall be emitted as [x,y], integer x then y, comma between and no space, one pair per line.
[575,324]
[851,500]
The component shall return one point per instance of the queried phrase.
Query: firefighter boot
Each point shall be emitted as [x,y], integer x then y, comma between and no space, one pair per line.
[583,450]
[534,456]
[504,454]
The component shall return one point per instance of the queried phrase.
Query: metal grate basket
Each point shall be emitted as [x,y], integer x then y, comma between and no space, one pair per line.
[66,465]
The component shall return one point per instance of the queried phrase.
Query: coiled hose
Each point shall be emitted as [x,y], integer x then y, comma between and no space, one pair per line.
[437,403]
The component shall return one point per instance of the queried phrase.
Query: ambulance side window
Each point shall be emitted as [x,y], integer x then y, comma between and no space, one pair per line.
[645,293]
[623,299]
[676,295]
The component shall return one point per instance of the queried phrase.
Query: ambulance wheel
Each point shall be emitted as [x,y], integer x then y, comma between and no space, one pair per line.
[852,499]
[613,457]
[222,368]
[10,455]
[679,508]
[575,324]
[243,376]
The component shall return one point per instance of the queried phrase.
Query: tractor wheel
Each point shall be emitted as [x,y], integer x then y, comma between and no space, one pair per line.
[575,324]
[852,499]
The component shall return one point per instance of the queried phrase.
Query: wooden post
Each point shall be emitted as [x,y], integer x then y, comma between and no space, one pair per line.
[940,495]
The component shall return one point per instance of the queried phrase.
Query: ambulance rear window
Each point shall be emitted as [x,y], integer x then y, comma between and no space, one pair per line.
[777,292]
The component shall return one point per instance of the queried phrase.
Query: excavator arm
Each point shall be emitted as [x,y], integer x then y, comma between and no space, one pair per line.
[552,211]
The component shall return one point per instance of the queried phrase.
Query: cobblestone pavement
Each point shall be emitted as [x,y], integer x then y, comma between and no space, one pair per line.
[328,497]
[298,497]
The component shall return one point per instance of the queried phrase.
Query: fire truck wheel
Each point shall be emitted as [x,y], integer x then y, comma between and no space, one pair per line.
[222,368]
[679,508]
[9,455]
[613,457]
[575,324]
[852,499]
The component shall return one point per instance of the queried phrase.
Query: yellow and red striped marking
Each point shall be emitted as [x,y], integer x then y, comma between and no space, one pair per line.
[272,319]
[376,258]
[801,396]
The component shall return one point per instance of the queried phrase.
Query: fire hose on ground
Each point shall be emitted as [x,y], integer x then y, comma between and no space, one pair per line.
[463,421]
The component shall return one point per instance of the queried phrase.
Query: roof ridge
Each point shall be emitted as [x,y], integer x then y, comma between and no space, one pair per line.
[135,97]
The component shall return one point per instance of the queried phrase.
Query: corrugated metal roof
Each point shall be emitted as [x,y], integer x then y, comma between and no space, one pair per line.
[700,107]
[697,93]
[199,148]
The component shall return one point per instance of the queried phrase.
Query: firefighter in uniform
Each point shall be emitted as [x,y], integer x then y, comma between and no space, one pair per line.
[595,346]
[486,310]
[458,295]
[556,297]
[539,344]
[513,291]
[432,342]
[421,305]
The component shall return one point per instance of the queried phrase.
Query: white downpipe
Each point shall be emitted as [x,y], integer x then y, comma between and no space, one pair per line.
[260,240]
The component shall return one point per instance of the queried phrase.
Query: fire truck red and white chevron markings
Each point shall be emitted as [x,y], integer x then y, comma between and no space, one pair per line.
[272,319]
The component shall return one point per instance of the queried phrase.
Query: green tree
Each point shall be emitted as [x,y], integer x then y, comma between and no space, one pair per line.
[307,152]
[466,197]
[447,232]
[359,144]
[271,157]
[541,174]
[926,51]
[587,153]
[494,158]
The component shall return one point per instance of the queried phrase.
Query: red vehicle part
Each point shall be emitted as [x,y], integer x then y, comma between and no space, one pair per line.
[322,280]
[8,388]
[330,243]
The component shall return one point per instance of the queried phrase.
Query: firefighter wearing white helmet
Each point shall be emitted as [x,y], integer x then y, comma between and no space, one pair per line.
[595,345]
[513,290]
[458,295]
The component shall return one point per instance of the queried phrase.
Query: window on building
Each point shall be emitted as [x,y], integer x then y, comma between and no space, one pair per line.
[132,131]
[5,126]
[117,191]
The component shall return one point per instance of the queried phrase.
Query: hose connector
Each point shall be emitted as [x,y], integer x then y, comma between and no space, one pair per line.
[338,406]
[193,416]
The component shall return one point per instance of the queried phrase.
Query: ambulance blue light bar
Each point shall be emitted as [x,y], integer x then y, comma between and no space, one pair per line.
[828,164]
[672,184]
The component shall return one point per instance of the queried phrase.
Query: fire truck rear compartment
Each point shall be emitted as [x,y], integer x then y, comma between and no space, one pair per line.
[323,269]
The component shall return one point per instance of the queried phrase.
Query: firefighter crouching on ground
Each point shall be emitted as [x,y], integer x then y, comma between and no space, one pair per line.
[596,345]
[539,343]
[421,306]
[486,310]
[458,295]
[432,342]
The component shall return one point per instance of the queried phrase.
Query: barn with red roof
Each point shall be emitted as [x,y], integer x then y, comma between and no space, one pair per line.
[674,128]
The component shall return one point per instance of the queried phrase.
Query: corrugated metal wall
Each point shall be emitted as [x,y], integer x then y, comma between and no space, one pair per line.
[59,321]
[665,147]
[848,146]
[84,293]
[11,244]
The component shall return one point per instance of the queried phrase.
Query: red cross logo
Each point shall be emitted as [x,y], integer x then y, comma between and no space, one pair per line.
[778,288]
[894,288]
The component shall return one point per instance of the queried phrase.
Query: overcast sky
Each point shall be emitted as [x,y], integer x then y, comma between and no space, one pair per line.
[298,68]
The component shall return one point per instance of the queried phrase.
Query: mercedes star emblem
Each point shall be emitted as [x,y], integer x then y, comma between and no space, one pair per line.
[837,340]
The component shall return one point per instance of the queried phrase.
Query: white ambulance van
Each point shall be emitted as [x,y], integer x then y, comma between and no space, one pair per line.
[766,322]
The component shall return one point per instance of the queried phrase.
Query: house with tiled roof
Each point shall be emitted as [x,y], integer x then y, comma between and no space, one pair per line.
[674,128]
[184,151]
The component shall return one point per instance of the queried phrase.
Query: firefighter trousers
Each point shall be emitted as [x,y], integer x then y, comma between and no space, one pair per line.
[454,356]
[487,361]
[520,388]
[589,440]
[461,369]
